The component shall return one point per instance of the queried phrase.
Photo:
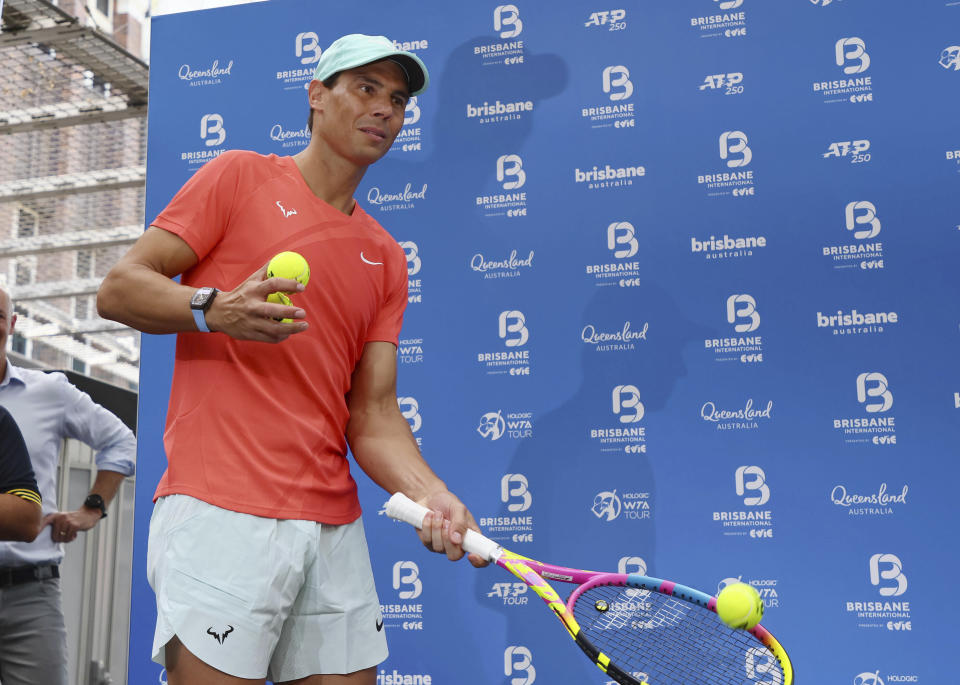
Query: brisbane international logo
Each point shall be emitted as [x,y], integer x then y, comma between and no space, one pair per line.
[745,345]
[887,609]
[508,25]
[410,138]
[512,201]
[514,360]
[298,73]
[735,180]
[213,134]
[729,20]
[517,524]
[756,521]
[853,84]
[617,111]
[862,222]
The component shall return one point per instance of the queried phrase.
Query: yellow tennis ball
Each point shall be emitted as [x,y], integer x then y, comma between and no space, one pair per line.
[289,265]
[280,298]
[739,606]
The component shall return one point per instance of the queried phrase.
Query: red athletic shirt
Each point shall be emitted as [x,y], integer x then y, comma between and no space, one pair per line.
[256,427]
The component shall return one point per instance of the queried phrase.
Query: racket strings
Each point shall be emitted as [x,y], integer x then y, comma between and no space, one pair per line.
[667,641]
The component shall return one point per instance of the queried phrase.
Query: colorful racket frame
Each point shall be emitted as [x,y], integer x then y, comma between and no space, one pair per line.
[535,574]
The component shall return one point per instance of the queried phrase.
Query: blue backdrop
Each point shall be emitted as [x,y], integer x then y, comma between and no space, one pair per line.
[683,299]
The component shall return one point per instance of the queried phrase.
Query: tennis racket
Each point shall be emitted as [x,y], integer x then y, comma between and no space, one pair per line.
[638,630]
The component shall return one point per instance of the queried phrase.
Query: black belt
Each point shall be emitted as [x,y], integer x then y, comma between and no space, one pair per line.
[15,575]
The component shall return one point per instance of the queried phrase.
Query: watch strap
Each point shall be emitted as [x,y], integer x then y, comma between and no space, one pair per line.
[199,316]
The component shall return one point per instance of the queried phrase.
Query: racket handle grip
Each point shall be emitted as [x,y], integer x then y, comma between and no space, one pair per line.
[402,508]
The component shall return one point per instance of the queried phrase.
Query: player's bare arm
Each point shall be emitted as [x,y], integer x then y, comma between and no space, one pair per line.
[386,450]
[138,291]
[19,518]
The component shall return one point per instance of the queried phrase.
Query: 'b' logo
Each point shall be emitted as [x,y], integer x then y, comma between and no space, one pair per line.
[413,257]
[513,487]
[748,310]
[513,322]
[212,125]
[519,660]
[893,570]
[626,403]
[735,143]
[308,47]
[617,77]
[880,389]
[410,409]
[406,579]
[758,485]
[761,667]
[867,215]
[729,4]
[505,16]
[632,565]
[621,238]
[411,114]
[514,170]
[849,49]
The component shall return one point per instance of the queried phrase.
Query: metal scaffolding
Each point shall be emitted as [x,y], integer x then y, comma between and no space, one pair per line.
[72,168]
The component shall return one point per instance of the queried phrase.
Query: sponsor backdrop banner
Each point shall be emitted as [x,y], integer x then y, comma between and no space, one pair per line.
[682,300]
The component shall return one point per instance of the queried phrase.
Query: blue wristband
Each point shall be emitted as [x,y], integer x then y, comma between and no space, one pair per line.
[199,316]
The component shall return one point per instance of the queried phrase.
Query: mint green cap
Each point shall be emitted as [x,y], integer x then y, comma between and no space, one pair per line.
[357,49]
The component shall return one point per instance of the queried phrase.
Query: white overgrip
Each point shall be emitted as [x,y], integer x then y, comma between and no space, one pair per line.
[402,508]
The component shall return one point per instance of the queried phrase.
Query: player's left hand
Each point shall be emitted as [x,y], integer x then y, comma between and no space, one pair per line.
[65,525]
[445,525]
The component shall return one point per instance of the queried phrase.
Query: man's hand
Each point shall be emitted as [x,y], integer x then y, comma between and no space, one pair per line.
[65,525]
[446,524]
[243,313]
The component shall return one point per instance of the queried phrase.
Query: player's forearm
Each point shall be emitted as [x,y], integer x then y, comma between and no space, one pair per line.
[386,450]
[146,300]
[106,485]
[19,519]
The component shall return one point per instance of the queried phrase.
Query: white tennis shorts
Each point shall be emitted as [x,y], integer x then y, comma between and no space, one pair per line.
[258,597]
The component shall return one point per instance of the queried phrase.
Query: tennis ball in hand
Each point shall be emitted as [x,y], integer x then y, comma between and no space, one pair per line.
[739,606]
[289,265]
[280,298]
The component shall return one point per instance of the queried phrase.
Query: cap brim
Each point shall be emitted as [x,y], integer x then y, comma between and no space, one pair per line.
[416,72]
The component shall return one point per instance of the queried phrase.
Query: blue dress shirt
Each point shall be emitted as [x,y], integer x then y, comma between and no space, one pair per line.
[48,409]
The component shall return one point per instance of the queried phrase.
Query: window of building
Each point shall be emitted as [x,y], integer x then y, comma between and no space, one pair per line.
[24,270]
[27,222]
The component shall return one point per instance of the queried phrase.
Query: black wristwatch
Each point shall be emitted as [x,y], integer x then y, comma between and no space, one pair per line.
[96,502]
[200,303]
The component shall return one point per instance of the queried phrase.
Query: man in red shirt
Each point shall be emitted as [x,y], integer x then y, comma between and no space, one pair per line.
[256,550]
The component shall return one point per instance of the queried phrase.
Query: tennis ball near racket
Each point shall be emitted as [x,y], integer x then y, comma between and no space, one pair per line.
[280,298]
[290,265]
[739,606]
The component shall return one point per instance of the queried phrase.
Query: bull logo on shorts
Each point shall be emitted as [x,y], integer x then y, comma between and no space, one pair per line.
[219,637]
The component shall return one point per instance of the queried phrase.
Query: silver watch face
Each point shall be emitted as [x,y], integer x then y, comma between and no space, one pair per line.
[200,297]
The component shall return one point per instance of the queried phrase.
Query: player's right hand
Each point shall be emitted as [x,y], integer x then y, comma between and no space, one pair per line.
[244,313]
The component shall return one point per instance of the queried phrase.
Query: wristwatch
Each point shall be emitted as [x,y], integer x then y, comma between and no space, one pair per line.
[200,303]
[95,502]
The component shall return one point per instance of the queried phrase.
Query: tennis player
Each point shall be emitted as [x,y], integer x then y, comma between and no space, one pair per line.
[257,552]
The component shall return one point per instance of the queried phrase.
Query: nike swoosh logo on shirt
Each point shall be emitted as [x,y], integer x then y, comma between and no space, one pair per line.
[367,261]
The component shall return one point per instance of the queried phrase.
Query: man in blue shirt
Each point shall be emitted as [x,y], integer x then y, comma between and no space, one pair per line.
[47,408]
